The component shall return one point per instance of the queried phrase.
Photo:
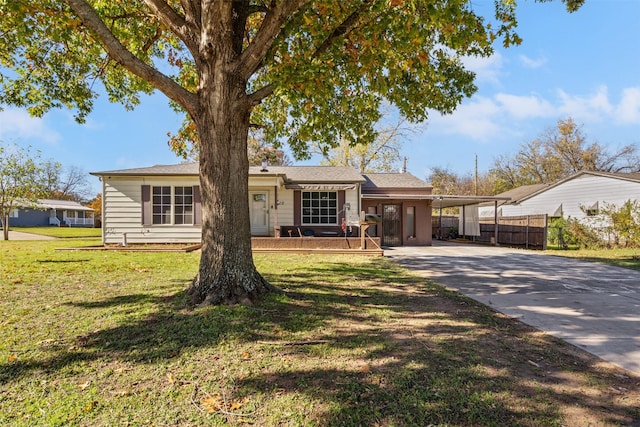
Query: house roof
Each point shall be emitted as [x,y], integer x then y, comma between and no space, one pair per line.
[181,169]
[311,174]
[299,174]
[57,204]
[526,193]
[393,180]
[522,192]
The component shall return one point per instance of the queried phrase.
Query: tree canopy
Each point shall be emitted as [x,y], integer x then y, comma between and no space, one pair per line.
[329,63]
[302,70]
[558,153]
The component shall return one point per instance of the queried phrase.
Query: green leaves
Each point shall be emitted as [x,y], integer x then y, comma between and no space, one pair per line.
[326,69]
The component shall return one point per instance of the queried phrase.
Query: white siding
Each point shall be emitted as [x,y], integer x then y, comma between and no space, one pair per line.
[569,197]
[122,209]
[122,205]
[285,209]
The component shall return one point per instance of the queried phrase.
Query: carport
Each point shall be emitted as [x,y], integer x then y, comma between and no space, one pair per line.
[442,201]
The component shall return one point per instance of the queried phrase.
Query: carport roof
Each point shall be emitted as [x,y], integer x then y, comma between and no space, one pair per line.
[450,201]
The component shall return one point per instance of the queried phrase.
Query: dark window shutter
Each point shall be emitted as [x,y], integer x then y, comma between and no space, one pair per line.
[297,207]
[146,205]
[197,206]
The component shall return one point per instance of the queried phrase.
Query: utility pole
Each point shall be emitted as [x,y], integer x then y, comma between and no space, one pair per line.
[475,184]
[404,164]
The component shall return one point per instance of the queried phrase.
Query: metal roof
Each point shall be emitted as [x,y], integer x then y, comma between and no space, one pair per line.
[448,201]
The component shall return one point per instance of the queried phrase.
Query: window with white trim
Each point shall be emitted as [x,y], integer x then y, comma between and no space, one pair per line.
[320,207]
[172,205]
[161,205]
[183,205]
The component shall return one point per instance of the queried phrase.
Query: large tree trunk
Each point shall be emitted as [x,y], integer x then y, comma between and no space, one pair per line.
[227,273]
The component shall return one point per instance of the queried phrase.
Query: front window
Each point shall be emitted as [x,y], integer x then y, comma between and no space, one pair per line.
[183,205]
[320,207]
[176,205]
[161,205]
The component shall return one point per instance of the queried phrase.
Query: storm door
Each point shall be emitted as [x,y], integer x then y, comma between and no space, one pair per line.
[392,225]
[259,213]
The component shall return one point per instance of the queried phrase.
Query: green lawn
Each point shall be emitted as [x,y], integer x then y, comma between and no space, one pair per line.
[627,258]
[102,338]
[61,232]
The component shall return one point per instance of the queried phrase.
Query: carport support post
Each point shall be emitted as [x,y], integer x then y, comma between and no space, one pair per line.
[495,223]
[440,226]
[464,222]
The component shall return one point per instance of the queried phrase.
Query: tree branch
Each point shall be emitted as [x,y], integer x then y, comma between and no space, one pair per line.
[255,53]
[129,61]
[174,22]
[256,97]
[192,12]
[347,25]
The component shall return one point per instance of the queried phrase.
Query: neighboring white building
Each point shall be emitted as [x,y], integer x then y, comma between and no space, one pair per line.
[578,196]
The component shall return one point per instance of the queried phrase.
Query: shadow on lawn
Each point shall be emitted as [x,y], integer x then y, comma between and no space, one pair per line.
[425,355]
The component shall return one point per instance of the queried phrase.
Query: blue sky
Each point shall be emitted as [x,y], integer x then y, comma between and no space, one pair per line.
[584,65]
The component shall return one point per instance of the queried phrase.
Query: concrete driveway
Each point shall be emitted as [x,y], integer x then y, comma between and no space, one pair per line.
[19,235]
[592,306]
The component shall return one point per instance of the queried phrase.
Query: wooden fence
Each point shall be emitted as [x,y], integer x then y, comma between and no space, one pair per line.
[529,231]
[449,226]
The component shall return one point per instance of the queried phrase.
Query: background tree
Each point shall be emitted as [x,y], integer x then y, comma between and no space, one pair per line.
[306,70]
[383,154]
[445,181]
[21,179]
[561,152]
[258,150]
[70,183]
[96,204]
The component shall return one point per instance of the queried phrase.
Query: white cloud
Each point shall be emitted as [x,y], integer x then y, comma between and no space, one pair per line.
[505,115]
[17,123]
[486,69]
[594,107]
[475,119]
[524,107]
[628,111]
[531,62]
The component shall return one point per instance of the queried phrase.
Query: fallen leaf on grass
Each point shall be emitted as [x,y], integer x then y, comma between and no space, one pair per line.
[83,386]
[12,358]
[239,404]
[212,404]
[245,356]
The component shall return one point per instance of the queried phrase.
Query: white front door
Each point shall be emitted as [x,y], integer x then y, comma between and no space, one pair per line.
[259,213]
